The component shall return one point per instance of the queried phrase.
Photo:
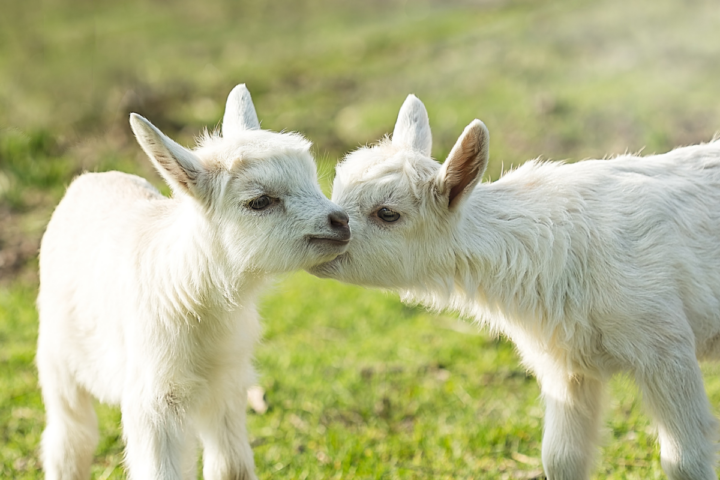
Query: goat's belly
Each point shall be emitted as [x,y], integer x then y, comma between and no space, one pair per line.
[104,377]
[707,342]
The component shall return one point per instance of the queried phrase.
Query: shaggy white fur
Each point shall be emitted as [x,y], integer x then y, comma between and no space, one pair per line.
[149,302]
[590,268]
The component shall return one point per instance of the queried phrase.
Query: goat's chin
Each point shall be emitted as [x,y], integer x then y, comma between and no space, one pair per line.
[328,269]
[325,250]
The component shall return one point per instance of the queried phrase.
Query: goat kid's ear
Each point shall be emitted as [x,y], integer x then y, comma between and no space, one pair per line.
[465,165]
[180,168]
[239,112]
[412,129]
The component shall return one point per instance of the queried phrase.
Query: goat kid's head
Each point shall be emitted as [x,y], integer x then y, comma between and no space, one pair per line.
[403,205]
[257,190]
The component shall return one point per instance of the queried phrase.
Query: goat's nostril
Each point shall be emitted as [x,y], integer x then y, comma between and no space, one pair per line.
[338,219]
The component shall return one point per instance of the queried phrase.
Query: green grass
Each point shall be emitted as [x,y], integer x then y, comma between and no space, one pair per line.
[359,386]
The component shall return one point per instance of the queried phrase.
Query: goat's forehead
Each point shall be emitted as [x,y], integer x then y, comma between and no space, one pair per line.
[363,164]
[252,146]
[368,164]
[371,173]
[391,189]
[371,193]
[286,167]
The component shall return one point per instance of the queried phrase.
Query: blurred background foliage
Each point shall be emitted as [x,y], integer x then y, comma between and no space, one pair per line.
[359,385]
[563,80]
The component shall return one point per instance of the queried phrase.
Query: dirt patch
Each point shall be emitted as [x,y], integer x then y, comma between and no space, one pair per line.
[20,235]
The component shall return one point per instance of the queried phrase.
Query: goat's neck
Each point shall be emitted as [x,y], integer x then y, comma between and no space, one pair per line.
[182,263]
[509,256]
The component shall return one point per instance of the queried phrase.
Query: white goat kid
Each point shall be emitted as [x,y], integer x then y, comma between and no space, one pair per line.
[149,302]
[590,268]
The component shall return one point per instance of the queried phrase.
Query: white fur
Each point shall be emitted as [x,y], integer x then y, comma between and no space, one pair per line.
[591,268]
[149,302]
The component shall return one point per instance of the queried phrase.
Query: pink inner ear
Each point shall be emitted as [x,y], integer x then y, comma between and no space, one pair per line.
[464,168]
[179,174]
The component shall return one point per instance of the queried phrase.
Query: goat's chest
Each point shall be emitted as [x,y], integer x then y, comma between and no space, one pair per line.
[572,347]
[194,352]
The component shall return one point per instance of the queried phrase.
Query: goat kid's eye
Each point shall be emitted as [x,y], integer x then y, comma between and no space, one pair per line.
[387,215]
[260,203]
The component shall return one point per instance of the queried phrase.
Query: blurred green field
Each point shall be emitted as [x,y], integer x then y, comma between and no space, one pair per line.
[359,385]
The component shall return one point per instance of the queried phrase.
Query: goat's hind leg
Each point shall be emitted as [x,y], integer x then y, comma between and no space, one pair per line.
[572,425]
[674,392]
[71,434]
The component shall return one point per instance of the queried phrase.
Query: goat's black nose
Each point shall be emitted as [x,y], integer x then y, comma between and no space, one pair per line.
[338,219]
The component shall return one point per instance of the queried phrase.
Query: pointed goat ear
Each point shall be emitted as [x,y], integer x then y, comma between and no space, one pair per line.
[239,112]
[465,165]
[412,129]
[179,167]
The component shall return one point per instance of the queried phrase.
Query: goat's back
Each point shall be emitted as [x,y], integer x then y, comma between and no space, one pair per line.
[95,218]
[634,240]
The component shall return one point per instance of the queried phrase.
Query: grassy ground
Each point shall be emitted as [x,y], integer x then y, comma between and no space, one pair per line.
[359,386]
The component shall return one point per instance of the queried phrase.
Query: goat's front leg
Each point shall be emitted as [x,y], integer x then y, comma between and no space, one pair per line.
[572,425]
[227,454]
[154,437]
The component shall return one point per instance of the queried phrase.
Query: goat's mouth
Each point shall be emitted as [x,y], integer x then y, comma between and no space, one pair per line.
[329,241]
